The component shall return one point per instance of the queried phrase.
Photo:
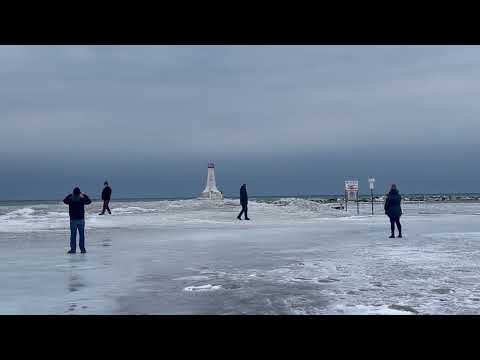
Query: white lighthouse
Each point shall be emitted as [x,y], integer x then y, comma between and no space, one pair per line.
[211,192]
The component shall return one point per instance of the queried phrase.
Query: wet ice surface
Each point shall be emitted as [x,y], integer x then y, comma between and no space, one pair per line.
[192,257]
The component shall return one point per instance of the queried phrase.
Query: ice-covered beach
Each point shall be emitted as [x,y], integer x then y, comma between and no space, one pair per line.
[193,257]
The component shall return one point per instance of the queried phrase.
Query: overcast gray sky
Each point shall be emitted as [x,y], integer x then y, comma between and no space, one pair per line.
[283,119]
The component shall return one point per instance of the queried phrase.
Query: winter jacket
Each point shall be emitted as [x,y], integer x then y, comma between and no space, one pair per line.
[243,195]
[392,204]
[106,193]
[76,206]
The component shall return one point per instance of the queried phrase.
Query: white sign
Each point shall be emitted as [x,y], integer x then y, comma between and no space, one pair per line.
[351,185]
[371,182]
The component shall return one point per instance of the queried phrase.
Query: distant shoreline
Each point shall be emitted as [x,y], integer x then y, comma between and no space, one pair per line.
[363,198]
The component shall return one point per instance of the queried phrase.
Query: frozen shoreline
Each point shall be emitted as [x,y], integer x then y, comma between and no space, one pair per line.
[186,257]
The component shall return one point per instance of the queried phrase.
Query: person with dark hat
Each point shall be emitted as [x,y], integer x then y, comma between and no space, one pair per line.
[76,208]
[106,195]
[243,202]
[394,210]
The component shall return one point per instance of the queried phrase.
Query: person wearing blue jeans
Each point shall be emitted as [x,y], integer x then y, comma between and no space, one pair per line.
[80,226]
[76,208]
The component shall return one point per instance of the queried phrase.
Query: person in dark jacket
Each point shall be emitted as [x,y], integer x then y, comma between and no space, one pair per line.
[243,202]
[394,210]
[106,195]
[76,208]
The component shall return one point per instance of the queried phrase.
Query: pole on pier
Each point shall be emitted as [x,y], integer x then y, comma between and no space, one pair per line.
[358,208]
[371,182]
[372,200]
[346,200]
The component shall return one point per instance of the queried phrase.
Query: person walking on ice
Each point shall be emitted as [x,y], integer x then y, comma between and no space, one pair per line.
[243,202]
[76,208]
[106,195]
[394,210]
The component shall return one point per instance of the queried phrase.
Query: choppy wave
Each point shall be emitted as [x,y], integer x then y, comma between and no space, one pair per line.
[19,212]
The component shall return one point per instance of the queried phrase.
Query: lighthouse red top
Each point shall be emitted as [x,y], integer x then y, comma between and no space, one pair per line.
[211,166]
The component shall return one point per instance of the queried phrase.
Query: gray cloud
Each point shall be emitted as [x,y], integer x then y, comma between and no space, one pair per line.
[124,109]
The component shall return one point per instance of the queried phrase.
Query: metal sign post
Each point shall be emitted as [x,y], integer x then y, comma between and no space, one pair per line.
[371,193]
[358,206]
[371,182]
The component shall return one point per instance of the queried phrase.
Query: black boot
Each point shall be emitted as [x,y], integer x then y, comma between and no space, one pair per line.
[392,236]
[400,235]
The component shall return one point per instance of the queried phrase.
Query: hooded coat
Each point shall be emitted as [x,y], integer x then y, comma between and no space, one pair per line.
[76,205]
[106,193]
[392,204]
[243,195]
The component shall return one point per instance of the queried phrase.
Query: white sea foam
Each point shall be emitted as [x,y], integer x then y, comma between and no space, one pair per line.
[284,211]
[202,288]
[18,213]
[133,210]
[369,310]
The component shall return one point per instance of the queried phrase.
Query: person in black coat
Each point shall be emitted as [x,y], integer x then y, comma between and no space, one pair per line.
[76,208]
[106,195]
[243,202]
[394,210]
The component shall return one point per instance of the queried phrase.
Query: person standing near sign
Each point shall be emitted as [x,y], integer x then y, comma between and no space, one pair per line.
[394,210]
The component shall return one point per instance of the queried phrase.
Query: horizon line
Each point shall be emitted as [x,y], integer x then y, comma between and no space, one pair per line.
[250,196]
